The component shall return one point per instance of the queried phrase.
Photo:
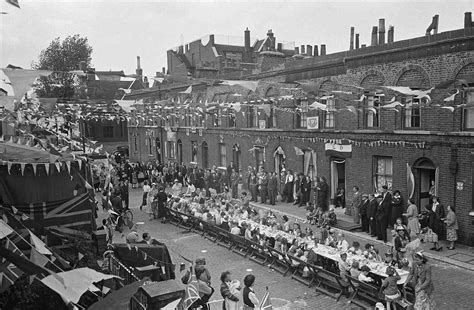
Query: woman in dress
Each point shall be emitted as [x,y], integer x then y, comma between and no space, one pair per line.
[323,188]
[451,227]
[146,189]
[396,206]
[420,277]
[413,225]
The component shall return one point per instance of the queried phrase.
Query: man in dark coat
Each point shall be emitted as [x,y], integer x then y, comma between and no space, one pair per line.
[272,188]
[382,214]
[371,210]
[363,213]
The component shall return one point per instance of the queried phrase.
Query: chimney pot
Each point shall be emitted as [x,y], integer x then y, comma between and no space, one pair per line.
[390,36]
[309,50]
[302,50]
[351,45]
[374,39]
[357,41]
[138,62]
[323,49]
[211,39]
[381,31]
[316,50]
[468,20]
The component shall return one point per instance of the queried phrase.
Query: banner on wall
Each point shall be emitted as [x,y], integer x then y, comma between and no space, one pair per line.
[342,150]
[312,122]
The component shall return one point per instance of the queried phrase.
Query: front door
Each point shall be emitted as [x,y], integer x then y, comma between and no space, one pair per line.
[426,181]
[338,176]
[236,158]
[158,149]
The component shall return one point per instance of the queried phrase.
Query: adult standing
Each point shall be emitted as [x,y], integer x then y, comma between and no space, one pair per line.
[396,207]
[371,212]
[322,189]
[272,187]
[307,192]
[152,206]
[436,214]
[363,212]
[146,190]
[230,299]
[420,278]
[234,182]
[288,189]
[451,227]
[248,295]
[161,199]
[355,205]
[413,225]
[381,217]
[253,186]
[263,186]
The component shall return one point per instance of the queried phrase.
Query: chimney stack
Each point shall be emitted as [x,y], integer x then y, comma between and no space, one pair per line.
[390,34]
[211,39]
[139,70]
[433,26]
[316,50]
[297,50]
[357,41]
[163,70]
[323,49]
[374,40]
[309,50]
[280,47]
[468,20]
[302,50]
[351,45]
[247,40]
[381,31]
[180,49]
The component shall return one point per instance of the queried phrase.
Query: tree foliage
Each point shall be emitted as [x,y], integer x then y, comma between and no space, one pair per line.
[62,57]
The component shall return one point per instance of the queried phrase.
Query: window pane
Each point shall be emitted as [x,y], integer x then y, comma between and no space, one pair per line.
[469,118]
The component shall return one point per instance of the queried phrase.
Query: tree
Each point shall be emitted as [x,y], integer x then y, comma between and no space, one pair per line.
[62,57]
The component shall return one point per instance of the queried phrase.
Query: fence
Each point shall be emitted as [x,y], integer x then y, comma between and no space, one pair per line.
[118,269]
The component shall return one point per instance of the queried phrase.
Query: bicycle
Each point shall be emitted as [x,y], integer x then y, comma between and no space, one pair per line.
[123,218]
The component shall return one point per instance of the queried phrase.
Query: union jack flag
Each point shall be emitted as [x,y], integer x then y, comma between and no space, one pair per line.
[9,272]
[191,294]
[266,303]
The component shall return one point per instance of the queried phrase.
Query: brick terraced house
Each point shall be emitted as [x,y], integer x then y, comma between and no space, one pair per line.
[396,113]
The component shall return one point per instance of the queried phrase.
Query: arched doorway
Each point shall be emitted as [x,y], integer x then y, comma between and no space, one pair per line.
[236,157]
[426,178]
[179,155]
[205,151]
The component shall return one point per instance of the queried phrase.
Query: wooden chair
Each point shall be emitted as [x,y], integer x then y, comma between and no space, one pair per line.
[364,294]
[174,218]
[258,253]
[224,238]
[279,261]
[298,272]
[240,245]
[329,283]
[211,232]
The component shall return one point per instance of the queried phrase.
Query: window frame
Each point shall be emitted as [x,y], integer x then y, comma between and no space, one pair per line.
[466,111]
[222,155]
[376,174]
[369,102]
[408,116]
[329,116]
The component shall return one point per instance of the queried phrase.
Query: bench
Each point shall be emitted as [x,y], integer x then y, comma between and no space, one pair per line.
[258,253]
[196,225]
[299,273]
[328,283]
[279,261]
[364,294]
[173,217]
[210,232]
[224,238]
[240,245]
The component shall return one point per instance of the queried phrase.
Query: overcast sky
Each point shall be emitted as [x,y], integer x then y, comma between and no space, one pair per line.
[120,30]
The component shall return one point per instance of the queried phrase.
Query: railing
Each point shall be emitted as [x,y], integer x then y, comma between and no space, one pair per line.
[118,269]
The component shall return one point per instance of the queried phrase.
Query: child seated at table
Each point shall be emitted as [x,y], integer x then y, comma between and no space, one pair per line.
[364,275]
[355,272]
[355,248]
[389,286]
[332,217]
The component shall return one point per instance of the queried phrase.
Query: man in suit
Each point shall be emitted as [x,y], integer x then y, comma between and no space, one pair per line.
[371,209]
[272,188]
[363,213]
[382,214]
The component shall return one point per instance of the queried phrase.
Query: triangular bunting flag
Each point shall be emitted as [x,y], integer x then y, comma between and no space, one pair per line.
[80,256]
[80,164]
[34,168]
[22,165]
[15,210]
[46,167]
[68,165]
[9,165]
[58,166]
[39,244]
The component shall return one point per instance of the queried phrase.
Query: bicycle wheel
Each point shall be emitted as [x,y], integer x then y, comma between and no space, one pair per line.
[128,217]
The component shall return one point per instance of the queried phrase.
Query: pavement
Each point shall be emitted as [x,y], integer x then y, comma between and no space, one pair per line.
[462,256]
[454,287]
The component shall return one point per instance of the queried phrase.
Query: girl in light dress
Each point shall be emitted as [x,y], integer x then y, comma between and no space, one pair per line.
[234,288]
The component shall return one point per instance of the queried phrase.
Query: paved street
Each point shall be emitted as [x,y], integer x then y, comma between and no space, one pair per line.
[454,286]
